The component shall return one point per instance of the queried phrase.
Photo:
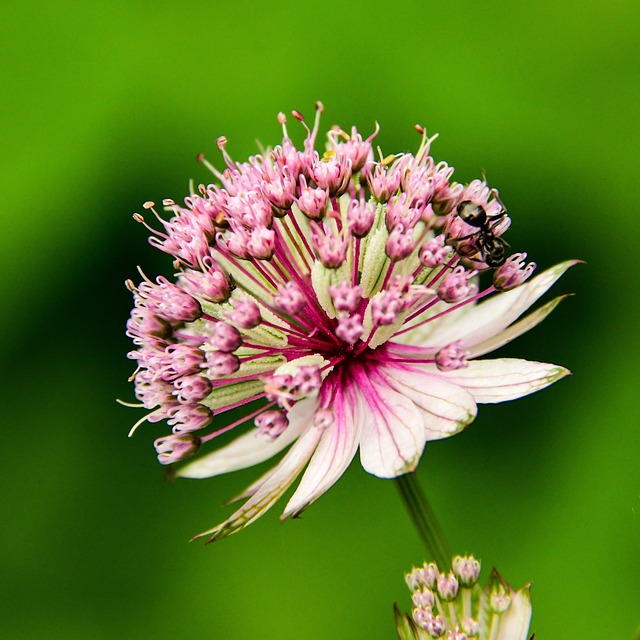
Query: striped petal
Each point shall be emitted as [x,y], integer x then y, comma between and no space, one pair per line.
[336,449]
[272,488]
[250,448]
[477,323]
[392,431]
[515,330]
[445,408]
[503,379]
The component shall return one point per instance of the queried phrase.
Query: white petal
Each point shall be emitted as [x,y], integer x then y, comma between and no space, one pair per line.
[504,379]
[476,323]
[272,488]
[514,624]
[250,449]
[515,330]
[338,444]
[392,438]
[446,408]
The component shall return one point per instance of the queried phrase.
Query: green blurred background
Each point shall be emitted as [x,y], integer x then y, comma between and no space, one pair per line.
[105,106]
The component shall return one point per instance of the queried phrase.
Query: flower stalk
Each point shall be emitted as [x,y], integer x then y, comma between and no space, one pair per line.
[423,518]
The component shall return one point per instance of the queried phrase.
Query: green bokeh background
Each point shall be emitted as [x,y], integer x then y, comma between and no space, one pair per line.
[105,106]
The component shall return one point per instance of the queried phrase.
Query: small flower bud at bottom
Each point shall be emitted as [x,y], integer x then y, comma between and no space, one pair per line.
[414,578]
[435,626]
[423,598]
[500,600]
[466,569]
[470,627]
[447,587]
[430,574]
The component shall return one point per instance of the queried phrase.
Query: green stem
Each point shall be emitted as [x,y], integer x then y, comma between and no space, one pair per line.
[424,519]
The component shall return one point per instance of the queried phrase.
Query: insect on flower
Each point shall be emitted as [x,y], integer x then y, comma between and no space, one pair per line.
[490,247]
[328,296]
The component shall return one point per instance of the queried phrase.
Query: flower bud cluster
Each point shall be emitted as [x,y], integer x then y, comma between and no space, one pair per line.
[452,605]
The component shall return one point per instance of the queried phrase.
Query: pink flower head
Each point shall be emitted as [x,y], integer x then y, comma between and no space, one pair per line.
[327,303]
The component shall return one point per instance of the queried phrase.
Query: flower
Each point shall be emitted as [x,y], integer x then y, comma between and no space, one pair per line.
[453,606]
[336,297]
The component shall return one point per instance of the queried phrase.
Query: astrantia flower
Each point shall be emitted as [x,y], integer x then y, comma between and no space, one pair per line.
[336,297]
[453,606]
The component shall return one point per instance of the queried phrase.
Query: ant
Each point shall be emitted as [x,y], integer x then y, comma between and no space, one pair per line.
[492,249]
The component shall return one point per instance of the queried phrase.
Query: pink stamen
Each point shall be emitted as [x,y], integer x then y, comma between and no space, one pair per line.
[237,423]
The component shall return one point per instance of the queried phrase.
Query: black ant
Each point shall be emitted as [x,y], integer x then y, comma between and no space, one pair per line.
[492,249]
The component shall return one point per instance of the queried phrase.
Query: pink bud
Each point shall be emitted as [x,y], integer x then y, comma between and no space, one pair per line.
[185,359]
[466,569]
[433,252]
[330,248]
[186,417]
[385,308]
[423,598]
[455,287]
[452,357]
[271,424]
[225,337]
[176,447]
[220,363]
[447,587]
[290,299]
[261,243]
[513,272]
[349,328]
[191,389]
[168,301]
[360,217]
[400,243]
[246,314]
[312,202]
[345,296]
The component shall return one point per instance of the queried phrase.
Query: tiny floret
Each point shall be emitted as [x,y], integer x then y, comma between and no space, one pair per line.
[466,569]
[513,272]
[336,298]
